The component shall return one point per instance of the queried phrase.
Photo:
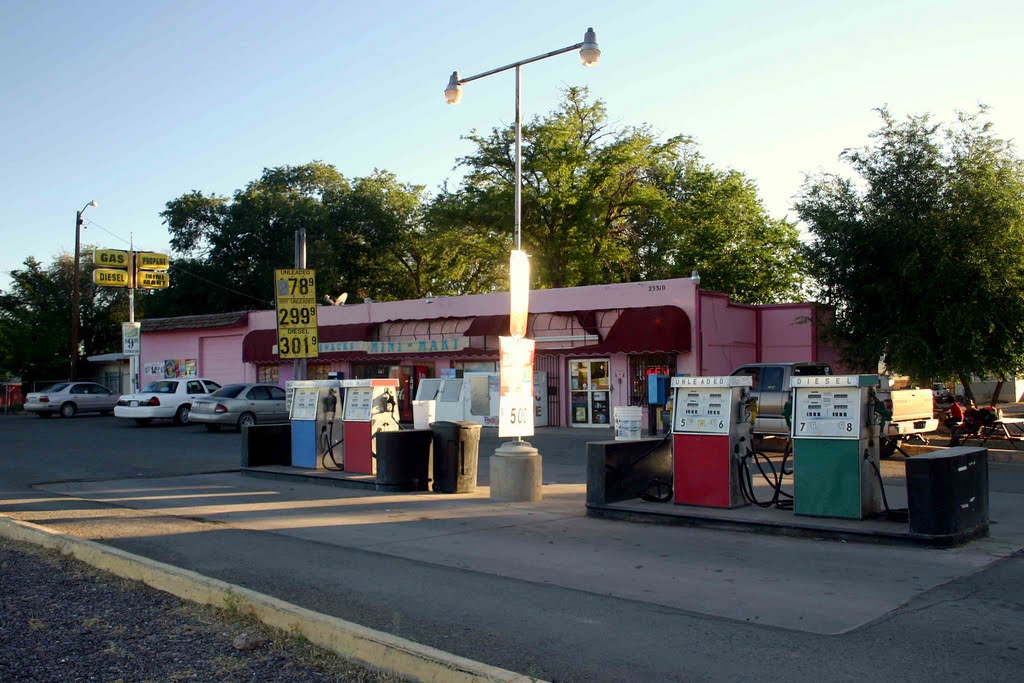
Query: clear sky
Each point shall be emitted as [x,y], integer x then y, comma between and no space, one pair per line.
[134,103]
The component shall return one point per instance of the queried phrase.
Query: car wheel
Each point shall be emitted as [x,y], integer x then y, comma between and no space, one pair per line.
[143,421]
[181,417]
[246,420]
[212,428]
[68,409]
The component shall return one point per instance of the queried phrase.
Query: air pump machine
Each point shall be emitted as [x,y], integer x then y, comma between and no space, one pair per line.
[835,446]
[712,425]
[371,406]
[314,409]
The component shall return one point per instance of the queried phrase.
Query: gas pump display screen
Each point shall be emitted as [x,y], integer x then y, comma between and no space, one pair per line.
[702,411]
[827,413]
[304,403]
[358,404]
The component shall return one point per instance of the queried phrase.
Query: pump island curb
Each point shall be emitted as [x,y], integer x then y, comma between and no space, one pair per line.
[372,648]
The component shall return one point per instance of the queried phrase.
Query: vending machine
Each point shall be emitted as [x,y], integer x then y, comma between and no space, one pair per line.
[371,406]
[835,430]
[712,429]
[314,408]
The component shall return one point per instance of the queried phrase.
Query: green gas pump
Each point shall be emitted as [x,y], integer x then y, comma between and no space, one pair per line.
[835,430]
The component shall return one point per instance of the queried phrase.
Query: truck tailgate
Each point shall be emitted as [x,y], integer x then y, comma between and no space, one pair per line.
[911,404]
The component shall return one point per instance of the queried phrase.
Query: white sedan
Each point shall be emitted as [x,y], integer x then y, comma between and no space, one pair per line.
[166,399]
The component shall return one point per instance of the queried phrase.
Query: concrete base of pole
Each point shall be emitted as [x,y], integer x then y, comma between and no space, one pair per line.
[516,473]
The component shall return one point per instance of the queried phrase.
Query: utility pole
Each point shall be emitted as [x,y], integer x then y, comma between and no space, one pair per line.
[133,360]
[300,367]
[76,293]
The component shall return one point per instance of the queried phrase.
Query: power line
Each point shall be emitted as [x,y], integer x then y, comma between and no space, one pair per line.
[181,270]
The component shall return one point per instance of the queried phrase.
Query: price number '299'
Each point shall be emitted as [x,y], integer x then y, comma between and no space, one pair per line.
[295,292]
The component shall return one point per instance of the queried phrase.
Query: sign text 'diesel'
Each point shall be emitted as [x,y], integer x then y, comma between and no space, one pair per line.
[109,277]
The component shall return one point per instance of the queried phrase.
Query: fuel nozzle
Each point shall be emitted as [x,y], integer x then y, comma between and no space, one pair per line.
[751,405]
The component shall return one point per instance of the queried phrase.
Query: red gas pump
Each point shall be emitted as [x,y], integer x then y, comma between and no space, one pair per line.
[371,406]
[712,429]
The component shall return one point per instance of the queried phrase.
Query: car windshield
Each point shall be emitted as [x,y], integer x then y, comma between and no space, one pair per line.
[160,388]
[821,369]
[230,391]
[55,388]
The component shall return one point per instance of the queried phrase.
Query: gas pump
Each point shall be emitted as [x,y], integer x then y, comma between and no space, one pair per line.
[314,408]
[371,406]
[712,429]
[835,431]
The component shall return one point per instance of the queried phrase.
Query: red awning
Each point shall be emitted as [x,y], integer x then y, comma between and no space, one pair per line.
[654,329]
[258,345]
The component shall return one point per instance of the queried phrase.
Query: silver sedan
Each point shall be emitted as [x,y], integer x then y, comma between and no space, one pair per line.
[71,398]
[240,405]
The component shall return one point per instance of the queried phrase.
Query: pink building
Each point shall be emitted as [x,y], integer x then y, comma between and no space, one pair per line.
[595,345]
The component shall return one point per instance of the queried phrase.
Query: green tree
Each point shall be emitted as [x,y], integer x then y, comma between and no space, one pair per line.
[923,253]
[35,318]
[604,203]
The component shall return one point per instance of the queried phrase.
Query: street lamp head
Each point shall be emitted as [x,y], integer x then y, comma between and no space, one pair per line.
[453,93]
[94,203]
[589,53]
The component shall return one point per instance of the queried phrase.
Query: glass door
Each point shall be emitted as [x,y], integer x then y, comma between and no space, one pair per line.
[590,393]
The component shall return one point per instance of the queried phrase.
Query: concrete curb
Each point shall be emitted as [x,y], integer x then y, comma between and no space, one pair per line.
[366,646]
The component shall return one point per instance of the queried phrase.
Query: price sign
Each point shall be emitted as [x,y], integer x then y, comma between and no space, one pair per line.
[295,291]
[131,340]
[515,395]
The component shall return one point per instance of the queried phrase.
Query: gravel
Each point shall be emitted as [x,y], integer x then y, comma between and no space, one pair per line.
[61,620]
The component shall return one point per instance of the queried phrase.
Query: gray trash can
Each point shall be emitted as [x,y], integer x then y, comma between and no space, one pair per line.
[456,456]
[404,460]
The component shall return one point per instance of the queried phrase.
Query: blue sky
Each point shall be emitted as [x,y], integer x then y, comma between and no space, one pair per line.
[134,103]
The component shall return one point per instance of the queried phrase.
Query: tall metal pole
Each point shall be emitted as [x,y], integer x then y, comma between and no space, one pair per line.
[133,360]
[75,295]
[300,367]
[519,158]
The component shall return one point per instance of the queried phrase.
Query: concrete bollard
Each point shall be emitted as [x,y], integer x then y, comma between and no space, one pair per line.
[516,473]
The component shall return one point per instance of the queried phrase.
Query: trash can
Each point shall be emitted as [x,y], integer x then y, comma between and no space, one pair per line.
[456,456]
[404,460]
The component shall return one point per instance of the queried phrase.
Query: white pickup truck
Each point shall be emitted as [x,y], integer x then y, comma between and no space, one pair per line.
[912,409]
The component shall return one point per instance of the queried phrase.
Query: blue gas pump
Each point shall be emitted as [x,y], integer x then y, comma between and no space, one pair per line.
[315,413]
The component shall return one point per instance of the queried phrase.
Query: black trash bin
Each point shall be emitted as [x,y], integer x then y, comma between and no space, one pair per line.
[404,460]
[456,456]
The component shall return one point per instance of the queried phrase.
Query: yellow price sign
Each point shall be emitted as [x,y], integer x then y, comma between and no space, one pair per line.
[151,280]
[150,260]
[109,277]
[295,293]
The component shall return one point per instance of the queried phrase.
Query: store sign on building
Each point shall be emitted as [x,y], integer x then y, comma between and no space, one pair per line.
[418,345]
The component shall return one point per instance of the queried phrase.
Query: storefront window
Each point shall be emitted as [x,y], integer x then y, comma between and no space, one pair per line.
[318,371]
[269,373]
[590,395]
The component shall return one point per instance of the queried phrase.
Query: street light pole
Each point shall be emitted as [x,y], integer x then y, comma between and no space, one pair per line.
[516,474]
[75,293]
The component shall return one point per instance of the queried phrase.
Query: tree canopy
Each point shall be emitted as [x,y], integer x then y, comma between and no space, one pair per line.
[922,252]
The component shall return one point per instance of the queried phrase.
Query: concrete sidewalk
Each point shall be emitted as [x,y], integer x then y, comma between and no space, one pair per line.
[806,585]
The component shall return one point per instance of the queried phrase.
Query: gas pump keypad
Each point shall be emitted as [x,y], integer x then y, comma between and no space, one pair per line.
[831,413]
[702,411]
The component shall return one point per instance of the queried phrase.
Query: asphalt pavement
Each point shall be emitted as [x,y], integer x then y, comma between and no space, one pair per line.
[538,589]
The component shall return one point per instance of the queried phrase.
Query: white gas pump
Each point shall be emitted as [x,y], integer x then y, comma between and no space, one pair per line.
[371,406]
[712,429]
[313,408]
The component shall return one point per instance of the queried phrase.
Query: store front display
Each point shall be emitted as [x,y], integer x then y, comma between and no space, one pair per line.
[590,392]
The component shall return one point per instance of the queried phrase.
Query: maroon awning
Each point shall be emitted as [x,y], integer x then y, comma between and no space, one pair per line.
[488,326]
[258,345]
[654,329]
